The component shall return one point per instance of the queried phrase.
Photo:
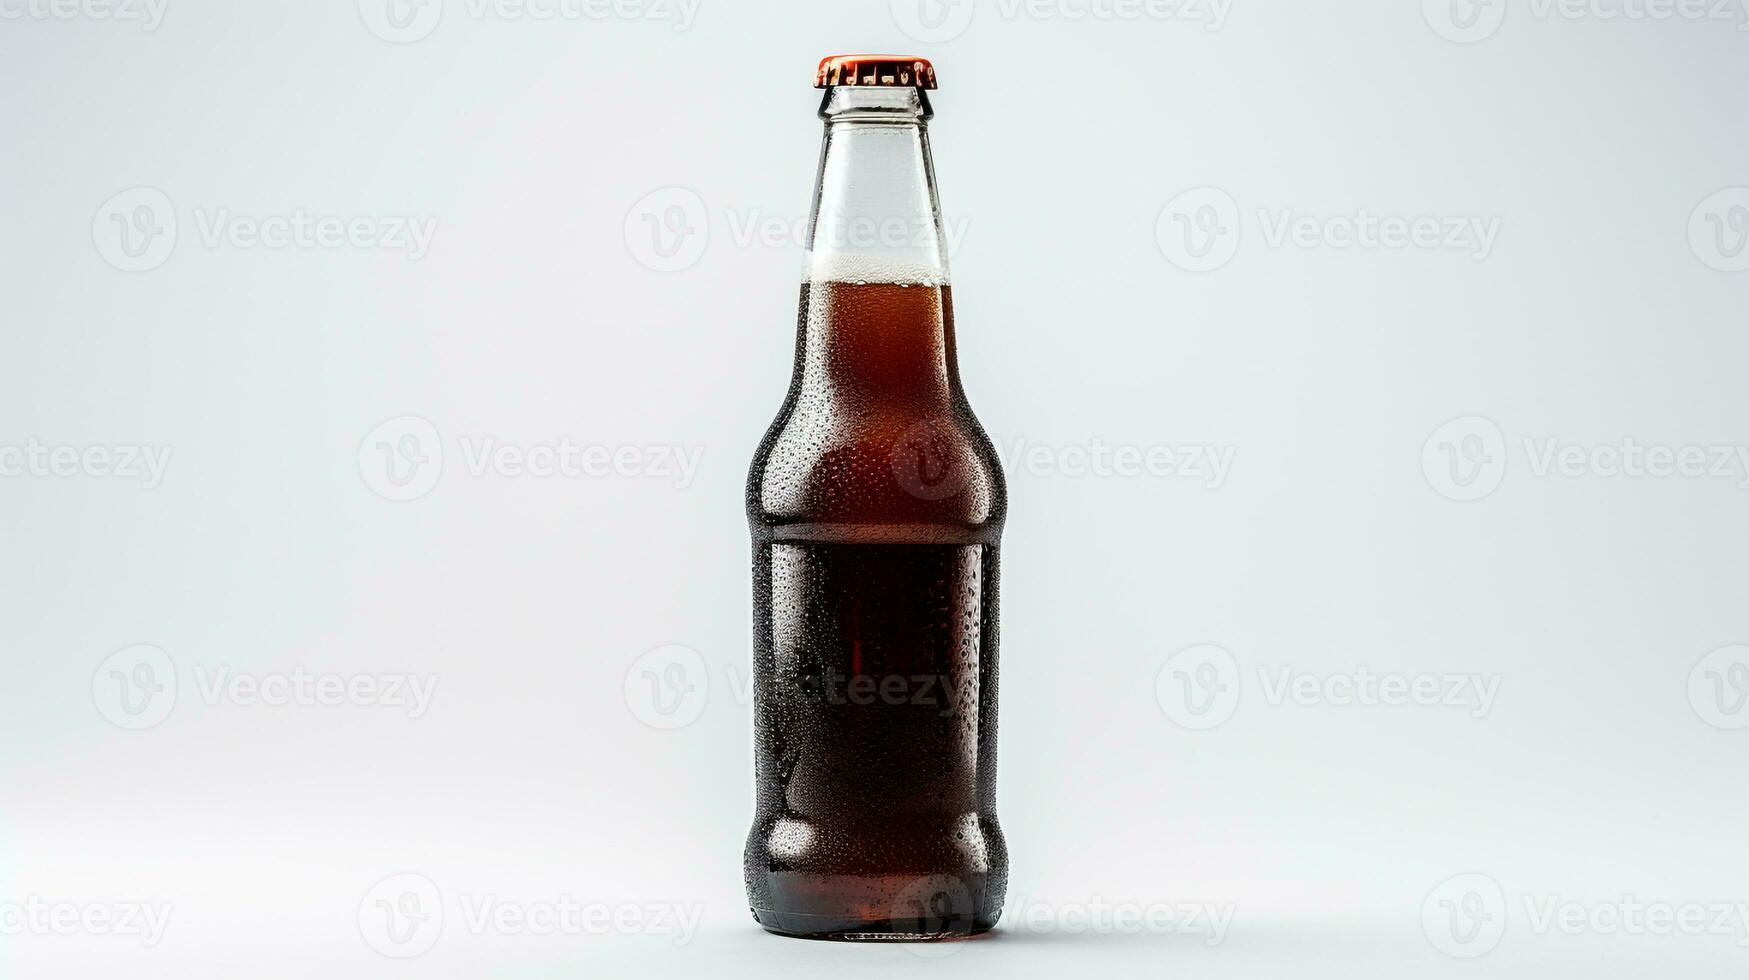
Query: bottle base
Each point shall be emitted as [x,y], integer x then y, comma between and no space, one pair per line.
[839,929]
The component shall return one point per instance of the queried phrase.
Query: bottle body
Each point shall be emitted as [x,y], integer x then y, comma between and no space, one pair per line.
[876,576]
[876,505]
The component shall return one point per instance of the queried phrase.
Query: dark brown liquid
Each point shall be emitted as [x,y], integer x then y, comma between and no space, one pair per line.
[876,505]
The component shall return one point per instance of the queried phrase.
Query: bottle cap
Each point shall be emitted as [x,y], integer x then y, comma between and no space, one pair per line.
[882,70]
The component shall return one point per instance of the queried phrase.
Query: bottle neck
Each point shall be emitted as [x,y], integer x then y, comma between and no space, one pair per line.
[875,214]
[877,320]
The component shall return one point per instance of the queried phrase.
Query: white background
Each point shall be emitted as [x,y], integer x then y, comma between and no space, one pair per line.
[590,182]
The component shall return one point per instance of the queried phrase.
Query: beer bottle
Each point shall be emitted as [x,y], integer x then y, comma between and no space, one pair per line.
[876,503]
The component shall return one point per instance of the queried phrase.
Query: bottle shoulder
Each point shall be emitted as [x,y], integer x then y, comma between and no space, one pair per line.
[875,467]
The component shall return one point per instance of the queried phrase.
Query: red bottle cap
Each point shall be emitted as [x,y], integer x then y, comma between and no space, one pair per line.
[883,70]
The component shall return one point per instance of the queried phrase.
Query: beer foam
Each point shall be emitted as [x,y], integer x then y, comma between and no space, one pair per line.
[855,268]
